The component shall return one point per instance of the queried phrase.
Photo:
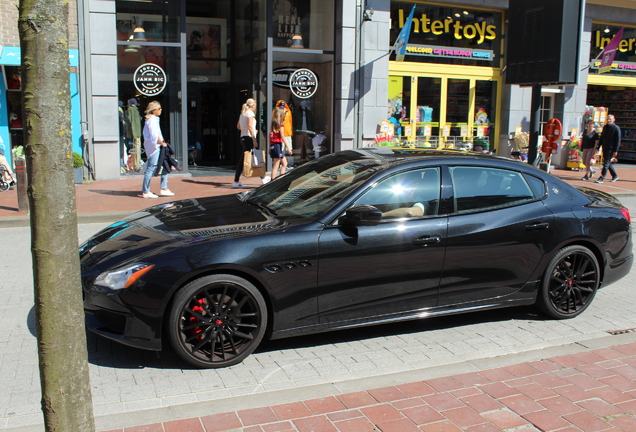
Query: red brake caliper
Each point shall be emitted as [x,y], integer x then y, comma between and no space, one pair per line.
[193,320]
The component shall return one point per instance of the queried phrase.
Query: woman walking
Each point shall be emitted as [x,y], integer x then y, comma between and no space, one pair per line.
[277,143]
[247,125]
[153,139]
[589,145]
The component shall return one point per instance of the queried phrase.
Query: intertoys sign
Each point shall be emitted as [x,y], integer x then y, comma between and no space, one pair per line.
[463,36]
[149,79]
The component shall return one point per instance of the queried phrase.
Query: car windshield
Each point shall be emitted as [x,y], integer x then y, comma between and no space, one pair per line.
[315,187]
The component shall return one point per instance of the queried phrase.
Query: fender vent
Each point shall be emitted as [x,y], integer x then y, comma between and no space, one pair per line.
[618,332]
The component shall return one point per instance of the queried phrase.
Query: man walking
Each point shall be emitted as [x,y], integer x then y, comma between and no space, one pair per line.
[610,142]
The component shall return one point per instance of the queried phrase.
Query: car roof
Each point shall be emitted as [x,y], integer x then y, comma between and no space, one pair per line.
[400,155]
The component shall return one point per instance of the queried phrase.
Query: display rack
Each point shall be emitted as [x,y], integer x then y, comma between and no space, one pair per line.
[14,104]
[621,104]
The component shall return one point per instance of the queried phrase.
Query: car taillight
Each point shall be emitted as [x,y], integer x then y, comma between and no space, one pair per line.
[625,212]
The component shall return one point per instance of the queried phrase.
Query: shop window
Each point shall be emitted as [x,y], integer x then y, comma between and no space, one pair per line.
[304,24]
[147,21]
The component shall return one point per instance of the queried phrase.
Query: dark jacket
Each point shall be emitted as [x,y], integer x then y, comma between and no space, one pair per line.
[166,161]
[610,138]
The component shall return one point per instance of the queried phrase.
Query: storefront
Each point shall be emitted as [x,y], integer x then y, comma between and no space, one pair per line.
[11,136]
[615,90]
[202,60]
[446,91]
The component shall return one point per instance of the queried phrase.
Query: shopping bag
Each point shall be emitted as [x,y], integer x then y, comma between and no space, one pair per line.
[257,159]
[248,169]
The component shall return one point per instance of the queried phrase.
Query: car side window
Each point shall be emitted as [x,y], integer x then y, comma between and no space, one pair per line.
[409,194]
[477,188]
[537,185]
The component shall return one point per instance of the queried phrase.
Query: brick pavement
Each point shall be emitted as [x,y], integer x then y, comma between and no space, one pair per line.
[594,390]
[123,195]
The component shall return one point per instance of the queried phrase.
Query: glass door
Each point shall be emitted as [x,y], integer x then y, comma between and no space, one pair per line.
[457,108]
[429,91]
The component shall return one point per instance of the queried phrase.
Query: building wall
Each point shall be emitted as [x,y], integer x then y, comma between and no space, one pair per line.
[9,14]
[362,69]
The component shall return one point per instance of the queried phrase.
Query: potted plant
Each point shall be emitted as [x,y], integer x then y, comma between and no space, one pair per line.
[78,168]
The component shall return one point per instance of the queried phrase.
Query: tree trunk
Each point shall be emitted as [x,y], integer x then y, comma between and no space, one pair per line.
[64,376]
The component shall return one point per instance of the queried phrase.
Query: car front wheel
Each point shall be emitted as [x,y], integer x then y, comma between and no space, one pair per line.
[217,321]
[569,283]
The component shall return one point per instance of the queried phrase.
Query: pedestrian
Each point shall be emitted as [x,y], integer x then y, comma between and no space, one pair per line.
[277,144]
[589,145]
[6,173]
[247,125]
[610,142]
[153,140]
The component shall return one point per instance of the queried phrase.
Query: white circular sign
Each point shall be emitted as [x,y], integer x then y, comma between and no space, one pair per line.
[303,83]
[149,79]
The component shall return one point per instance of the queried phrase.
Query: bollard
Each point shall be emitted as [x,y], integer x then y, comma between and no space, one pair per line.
[21,178]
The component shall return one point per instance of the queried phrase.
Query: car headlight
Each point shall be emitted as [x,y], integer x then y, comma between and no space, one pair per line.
[122,277]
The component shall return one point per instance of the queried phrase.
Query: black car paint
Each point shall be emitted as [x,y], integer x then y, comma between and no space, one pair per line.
[306,296]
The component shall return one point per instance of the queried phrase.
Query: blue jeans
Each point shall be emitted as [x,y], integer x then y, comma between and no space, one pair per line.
[151,166]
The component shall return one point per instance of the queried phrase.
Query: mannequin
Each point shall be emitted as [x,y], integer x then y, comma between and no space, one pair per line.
[304,128]
[133,131]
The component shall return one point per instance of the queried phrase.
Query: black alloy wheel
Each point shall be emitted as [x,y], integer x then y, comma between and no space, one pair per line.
[217,321]
[570,283]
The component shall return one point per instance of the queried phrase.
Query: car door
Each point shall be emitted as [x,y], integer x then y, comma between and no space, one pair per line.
[393,268]
[496,235]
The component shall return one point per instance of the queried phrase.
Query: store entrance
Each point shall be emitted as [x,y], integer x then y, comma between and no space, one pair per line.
[211,126]
[444,111]
[620,102]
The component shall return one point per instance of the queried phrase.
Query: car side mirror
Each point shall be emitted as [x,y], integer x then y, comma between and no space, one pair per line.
[361,215]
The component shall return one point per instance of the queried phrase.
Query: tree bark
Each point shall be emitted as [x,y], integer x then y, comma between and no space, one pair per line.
[64,375]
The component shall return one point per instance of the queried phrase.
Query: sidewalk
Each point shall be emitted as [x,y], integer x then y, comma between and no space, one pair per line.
[109,200]
[584,390]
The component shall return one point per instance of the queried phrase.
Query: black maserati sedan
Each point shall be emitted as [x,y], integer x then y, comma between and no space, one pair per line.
[355,238]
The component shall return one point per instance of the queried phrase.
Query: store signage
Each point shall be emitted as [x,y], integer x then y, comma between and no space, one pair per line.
[149,79]
[303,83]
[280,76]
[620,66]
[601,40]
[439,51]
[477,32]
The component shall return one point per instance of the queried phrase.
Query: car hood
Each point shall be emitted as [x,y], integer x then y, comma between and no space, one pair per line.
[176,223]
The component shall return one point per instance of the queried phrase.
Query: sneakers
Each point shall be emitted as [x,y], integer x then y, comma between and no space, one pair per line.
[585,178]
[266,179]
[238,185]
[600,180]
[166,192]
[614,179]
[149,195]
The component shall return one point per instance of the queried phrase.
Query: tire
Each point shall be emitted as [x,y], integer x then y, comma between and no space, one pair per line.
[570,283]
[217,321]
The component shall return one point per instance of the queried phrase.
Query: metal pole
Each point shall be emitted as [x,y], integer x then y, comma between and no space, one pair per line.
[535,122]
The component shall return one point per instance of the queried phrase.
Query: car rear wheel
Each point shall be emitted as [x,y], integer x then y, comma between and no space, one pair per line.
[570,283]
[217,321]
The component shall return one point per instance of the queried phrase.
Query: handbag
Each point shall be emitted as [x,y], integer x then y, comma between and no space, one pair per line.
[248,169]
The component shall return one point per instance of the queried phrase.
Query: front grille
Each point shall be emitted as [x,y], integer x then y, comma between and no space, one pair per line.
[113,321]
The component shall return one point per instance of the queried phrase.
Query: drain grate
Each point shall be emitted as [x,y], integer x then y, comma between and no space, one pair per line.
[623,331]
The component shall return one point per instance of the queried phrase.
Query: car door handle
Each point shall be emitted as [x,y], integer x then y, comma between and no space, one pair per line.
[537,226]
[426,240]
